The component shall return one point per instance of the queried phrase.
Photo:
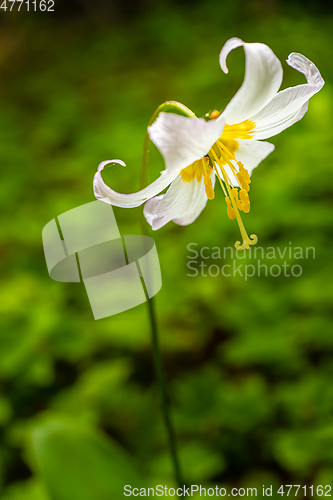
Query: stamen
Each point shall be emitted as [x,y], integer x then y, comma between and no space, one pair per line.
[245,173]
[188,173]
[198,170]
[226,150]
[220,154]
[245,201]
[235,195]
[226,179]
[232,209]
[209,188]
[208,181]
[220,181]
[243,130]
[243,177]
[242,199]
[224,154]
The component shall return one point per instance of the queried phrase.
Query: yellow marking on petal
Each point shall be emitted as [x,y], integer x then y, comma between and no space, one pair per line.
[217,150]
[197,170]
[188,173]
[193,171]
[242,130]
[222,153]
[230,144]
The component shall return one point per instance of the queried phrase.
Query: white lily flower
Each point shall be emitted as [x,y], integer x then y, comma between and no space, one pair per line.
[227,146]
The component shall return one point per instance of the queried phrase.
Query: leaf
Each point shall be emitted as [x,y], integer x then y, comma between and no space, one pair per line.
[79,463]
[31,489]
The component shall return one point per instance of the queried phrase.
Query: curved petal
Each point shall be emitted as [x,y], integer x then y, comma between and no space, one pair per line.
[103,192]
[250,153]
[262,80]
[182,203]
[305,66]
[289,105]
[150,208]
[183,140]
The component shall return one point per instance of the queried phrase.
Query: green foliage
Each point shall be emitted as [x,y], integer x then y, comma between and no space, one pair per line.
[248,363]
[78,463]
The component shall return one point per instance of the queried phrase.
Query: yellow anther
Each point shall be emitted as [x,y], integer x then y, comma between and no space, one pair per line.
[209,187]
[242,199]
[210,192]
[243,130]
[235,193]
[230,210]
[214,114]
[244,172]
[245,201]
[242,179]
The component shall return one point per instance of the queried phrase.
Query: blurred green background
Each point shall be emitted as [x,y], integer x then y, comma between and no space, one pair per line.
[249,364]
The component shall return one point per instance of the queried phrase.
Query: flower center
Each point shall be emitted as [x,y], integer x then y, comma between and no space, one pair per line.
[221,158]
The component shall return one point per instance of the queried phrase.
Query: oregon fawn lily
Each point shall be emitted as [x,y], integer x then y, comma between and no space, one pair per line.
[227,145]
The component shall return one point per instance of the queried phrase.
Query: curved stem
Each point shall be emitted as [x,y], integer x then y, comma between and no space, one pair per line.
[177,108]
[168,107]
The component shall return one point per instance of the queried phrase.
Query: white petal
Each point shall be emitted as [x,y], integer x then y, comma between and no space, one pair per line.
[305,66]
[262,80]
[150,208]
[182,203]
[105,193]
[183,140]
[250,153]
[289,105]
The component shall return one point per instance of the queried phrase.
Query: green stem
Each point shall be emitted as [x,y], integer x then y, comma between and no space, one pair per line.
[164,396]
[180,109]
